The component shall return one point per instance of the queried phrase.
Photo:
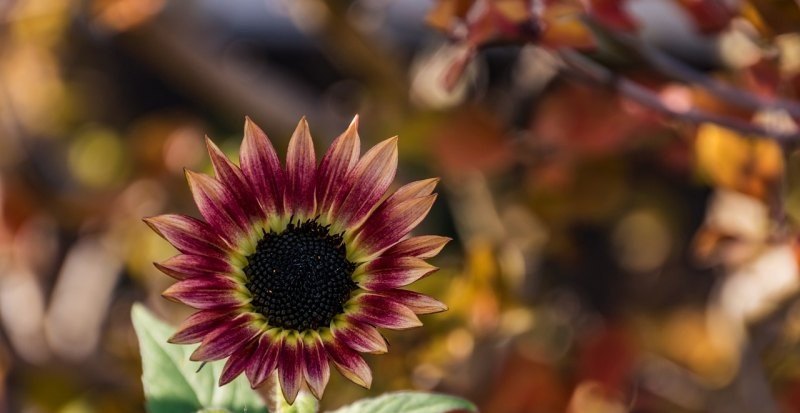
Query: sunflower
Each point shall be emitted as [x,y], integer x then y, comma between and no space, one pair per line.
[295,268]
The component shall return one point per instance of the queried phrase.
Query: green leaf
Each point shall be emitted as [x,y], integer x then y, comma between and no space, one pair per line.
[171,381]
[305,403]
[410,402]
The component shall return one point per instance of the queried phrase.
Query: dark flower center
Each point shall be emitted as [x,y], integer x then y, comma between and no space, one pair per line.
[300,278]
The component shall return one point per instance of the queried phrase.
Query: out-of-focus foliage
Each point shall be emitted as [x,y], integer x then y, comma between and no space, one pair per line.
[619,176]
[173,384]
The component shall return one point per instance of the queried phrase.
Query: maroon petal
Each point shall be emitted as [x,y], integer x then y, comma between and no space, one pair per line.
[359,336]
[265,359]
[261,167]
[335,166]
[290,366]
[367,184]
[392,272]
[416,189]
[226,339]
[238,361]
[189,266]
[316,369]
[425,246]
[199,325]
[301,172]
[376,310]
[205,293]
[189,235]
[218,206]
[418,303]
[231,177]
[389,224]
[348,362]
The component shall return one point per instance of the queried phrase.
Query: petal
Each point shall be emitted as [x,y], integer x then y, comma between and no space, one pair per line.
[265,359]
[184,266]
[300,172]
[189,235]
[380,312]
[335,167]
[389,224]
[231,177]
[425,246]
[416,189]
[218,206]
[226,339]
[367,184]
[348,362]
[359,336]
[205,293]
[418,303]
[199,325]
[261,167]
[316,369]
[290,366]
[238,361]
[391,272]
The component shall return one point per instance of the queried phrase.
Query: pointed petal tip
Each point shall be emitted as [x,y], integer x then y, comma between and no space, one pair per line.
[174,339]
[169,294]
[252,130]
[212,147]
[195,357]
[302,124]
[161,268]
[150,222]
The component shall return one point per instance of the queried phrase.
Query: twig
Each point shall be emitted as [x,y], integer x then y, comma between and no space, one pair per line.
[582,65]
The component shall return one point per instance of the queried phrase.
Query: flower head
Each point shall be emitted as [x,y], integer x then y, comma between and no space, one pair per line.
[294,267]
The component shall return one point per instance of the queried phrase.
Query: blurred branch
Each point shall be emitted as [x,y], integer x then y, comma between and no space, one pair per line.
[355,52]
[238,89]
[588,68]
[675,68]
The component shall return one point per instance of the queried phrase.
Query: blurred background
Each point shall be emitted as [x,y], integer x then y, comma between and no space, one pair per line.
[619,178]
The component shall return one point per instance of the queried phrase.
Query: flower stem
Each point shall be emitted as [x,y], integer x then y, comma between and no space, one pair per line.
[304,403]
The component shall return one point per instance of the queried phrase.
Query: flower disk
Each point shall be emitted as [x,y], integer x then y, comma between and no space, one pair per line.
[295,267]
[300,278]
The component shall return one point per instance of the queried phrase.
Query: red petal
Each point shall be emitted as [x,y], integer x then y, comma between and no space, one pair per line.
[418,303]
[226,339]
[316,369]
[301,172]
[425,246]
[189,235]
[335,167]
[205,293]
[389,224]
[199,325]
[265,359]
[238,361]
[218,206]
[290,366]
[261,167]
[367,184]
[359,336]
[231,177]
[348,362]
[189,266]
[380,312]
[392,272]
[416,189]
